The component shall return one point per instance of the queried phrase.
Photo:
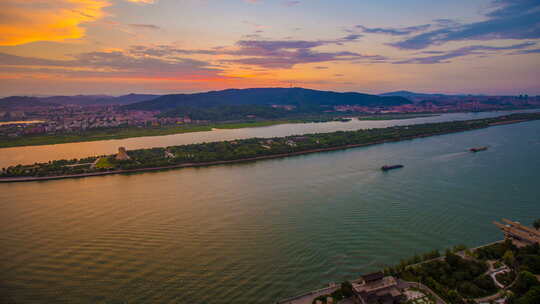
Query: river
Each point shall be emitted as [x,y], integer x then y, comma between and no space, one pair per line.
[261,231]
[20,122]
[32,154]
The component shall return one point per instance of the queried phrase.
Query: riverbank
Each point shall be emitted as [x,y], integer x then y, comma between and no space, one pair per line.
[133,132]
[309,296]
[97,135]
[408,133]
[193,165]
[136,132]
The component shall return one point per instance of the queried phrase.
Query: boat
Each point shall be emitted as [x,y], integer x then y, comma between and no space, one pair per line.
[478,149]
[392,167]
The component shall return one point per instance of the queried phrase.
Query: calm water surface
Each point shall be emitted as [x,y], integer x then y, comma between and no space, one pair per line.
[30,155]
[257,232]
[20,122]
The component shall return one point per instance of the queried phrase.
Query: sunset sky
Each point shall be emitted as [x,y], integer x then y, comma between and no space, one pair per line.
[50,47]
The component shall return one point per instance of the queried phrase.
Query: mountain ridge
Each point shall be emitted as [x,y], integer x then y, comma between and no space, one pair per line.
[34,101]
[266,97]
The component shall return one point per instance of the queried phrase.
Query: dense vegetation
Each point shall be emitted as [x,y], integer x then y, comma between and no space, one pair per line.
[453,277]
[304,98]
[253,148]
[243,112]
[459,280]
[416,259]
[526,262]
[526,289]
[224,113]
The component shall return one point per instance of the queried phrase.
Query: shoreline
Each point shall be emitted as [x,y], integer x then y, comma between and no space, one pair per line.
[67,138]
[194,165]
[332,286]
[224,162]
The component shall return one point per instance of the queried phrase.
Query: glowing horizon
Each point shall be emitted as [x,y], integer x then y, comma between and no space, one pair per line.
[166,46]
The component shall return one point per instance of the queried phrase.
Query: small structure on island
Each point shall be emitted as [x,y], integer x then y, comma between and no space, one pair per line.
[519,234]
[122,154]
[375,288]
[168,154]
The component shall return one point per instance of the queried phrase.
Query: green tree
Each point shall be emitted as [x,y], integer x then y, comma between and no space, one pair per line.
[509,258]
[531,297]
[452,259]
[536,224]
[347,289]
[525,281]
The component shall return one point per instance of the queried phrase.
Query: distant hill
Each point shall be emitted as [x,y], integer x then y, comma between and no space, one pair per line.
[416,96]
[409,94]
[266,96]
[133,98]
[99,99]
[27,101]
[14,102]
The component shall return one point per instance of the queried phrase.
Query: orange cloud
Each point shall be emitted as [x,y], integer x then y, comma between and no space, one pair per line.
[24,21]
[45,20]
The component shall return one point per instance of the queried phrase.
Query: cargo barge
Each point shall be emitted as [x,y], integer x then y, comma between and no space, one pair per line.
[392,167]
[478,149]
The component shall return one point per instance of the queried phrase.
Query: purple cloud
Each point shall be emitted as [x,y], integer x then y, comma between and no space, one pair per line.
[266,53]
[166,50]
[114,64]
[464,51]
[290,3]
[287,53]
[393,31]
[532,51]
[144,26]
[510,19]
[288,59]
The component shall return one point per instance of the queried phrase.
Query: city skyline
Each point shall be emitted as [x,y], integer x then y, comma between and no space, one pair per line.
[144,46]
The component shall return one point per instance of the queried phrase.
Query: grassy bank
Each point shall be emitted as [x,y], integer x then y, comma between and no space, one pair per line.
[121,133]
[130,132]
[95,135]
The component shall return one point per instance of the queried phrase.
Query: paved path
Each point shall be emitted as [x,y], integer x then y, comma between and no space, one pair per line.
[490,298]
[308,298]
[494,274]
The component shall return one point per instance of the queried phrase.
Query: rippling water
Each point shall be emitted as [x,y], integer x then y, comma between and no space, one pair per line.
[32,154]
[261,231]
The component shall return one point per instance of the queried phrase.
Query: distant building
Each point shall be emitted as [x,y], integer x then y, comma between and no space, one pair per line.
[168,154]
[122,154]
[375,288]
